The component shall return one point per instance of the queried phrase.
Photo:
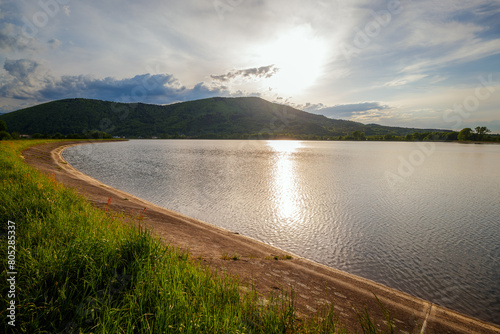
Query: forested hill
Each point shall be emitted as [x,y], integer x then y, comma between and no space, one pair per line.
[216,117]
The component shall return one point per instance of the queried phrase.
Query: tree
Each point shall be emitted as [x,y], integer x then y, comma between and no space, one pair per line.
[358,135]
[481,131]
[452,136]
[4,135]
[58,136]
[3,125]
[419,135]
[431,136]
[465,134]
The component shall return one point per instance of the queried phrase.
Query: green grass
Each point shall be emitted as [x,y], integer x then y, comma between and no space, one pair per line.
[83,270]
[227,257]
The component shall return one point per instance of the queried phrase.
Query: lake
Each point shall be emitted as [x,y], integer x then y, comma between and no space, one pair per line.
[423,218]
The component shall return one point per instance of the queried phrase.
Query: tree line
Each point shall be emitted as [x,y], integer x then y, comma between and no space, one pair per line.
[479,133]
[92,134]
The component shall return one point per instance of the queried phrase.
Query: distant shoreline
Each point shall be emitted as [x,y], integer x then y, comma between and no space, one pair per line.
[478,142]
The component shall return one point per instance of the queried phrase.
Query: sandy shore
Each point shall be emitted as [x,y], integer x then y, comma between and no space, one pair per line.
[314,284]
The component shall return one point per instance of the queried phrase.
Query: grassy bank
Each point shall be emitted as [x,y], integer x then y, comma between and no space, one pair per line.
[80,269]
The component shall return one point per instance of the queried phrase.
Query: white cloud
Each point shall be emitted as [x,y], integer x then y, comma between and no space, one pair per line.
[12,39]
[66,10]
[346,111]
[401,81]
[430,34]
[475,50]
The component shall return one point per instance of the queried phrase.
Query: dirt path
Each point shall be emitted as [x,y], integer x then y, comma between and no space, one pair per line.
[314,284]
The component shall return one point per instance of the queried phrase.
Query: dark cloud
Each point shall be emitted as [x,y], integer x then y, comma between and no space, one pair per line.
[202,91]
[146,88]
[344,110]
[21,69]
[130,89]
[21,80]
[24,83]
[257,72]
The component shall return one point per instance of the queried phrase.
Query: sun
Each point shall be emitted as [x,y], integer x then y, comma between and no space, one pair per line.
[298,54]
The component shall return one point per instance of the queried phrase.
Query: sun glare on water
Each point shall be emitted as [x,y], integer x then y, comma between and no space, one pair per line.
[286,195]
[299,56]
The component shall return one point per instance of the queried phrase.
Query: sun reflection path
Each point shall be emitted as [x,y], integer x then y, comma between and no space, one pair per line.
[285,193]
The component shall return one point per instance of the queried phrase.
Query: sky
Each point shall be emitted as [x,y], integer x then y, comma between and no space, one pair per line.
[424,64]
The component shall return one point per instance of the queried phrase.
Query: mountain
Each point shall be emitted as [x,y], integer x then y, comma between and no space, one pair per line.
[224,117]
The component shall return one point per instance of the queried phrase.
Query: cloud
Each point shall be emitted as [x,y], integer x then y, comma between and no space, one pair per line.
[21,79]
[133,89]
[256,72]
[473,51]
[345,111]
[452,33]
[66,10]
[24,82]
[12,39]
[54,43]
[405,80]
[429,34]
[8,108]
[22,69]
[146,88]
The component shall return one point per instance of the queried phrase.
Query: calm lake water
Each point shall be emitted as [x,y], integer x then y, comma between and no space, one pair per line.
[420,218]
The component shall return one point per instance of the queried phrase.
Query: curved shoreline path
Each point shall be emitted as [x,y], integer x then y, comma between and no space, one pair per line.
[313,284]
